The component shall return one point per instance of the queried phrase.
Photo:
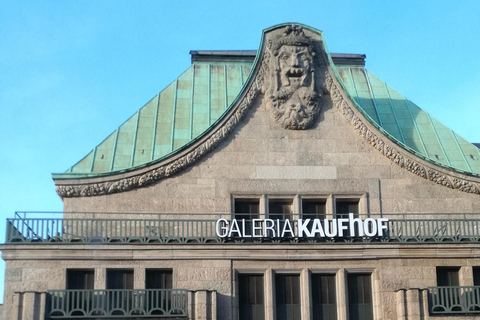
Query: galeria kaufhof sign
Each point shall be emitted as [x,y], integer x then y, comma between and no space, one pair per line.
[301,228]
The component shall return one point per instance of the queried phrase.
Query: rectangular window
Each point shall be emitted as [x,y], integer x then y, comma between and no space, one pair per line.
[324,298]
[280,209]
[313,209]
[287,287]
[119,279]
[360,306]
[158,279]
[247,209]
[448,276]
[476,276]
[251,296]
[158,299]
[80,279]
[345,206]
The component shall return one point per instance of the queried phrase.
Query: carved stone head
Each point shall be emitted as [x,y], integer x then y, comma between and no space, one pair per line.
[292,97]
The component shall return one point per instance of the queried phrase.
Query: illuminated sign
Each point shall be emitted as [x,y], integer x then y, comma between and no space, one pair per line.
[301,228]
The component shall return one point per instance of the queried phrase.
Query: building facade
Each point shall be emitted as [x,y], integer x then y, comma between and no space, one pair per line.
[287,183]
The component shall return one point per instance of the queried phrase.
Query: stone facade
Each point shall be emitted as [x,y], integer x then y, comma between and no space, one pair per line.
[264,158]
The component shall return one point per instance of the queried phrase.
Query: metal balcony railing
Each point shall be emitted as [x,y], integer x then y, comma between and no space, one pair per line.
[454,300]
[99,304]
[201,228]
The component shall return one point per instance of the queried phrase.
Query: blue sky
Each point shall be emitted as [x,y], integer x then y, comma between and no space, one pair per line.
[72,71]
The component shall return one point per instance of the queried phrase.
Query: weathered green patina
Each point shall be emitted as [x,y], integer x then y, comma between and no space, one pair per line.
[200,96]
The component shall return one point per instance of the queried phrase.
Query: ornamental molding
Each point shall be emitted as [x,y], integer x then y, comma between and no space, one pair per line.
[323,80]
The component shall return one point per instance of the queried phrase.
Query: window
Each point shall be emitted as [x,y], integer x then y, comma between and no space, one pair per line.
[360,306]
[345,206]
[80,279]
[119,279]
[158,279]
[476,276]
[280,209]
[159,299]
[448,276]
[247,209]
[313,209]
[287,289]
[251,297]
[324,299]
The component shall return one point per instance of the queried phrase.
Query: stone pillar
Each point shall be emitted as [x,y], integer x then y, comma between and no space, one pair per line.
[269,292]
[306,294]
[413,304]
[191,305]
[204,305]
[29,305]
[401,304]
[342,303]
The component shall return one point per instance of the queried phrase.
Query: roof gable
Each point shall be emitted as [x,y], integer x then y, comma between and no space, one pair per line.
[209,95]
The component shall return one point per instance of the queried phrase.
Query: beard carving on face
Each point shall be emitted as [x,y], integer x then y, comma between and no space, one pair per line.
[292,98]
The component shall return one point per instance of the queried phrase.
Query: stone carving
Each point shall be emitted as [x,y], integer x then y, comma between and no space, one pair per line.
[292,120]
[292,97]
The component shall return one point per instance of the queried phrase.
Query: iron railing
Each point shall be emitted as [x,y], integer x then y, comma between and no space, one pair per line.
[454,300]
[98,304]
[196,228]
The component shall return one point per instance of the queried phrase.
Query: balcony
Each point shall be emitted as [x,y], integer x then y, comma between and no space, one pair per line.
[100,304]
[454,300]
[78,228]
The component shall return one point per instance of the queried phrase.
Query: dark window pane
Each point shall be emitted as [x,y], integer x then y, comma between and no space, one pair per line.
[280,209]
[119,279]
[360,306]
[344,207]
[313,209]
[324,297]
[448,276]
[80,279]
[476,276]
[246,208]
[251,297]
[158,279]
[287,297]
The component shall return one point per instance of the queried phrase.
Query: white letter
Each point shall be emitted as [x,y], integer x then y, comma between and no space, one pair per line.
[271,227]
[352,225]
[255,228]
[317,228]
[287,223]
[366,228]
[341,227]
[327,228]
[382,226]
[245,231]
[223,228]
[234,228]
[303,227]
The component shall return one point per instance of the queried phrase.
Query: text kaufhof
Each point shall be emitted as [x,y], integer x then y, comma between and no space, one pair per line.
[308,228]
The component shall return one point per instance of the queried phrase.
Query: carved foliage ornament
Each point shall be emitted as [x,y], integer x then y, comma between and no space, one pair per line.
[294,83]
[293,98]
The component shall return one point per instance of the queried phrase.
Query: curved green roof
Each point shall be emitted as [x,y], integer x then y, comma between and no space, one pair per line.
[174,117]
[194,101]
[408,125]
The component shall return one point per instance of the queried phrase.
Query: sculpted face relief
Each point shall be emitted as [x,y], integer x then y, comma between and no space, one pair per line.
[292,97]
